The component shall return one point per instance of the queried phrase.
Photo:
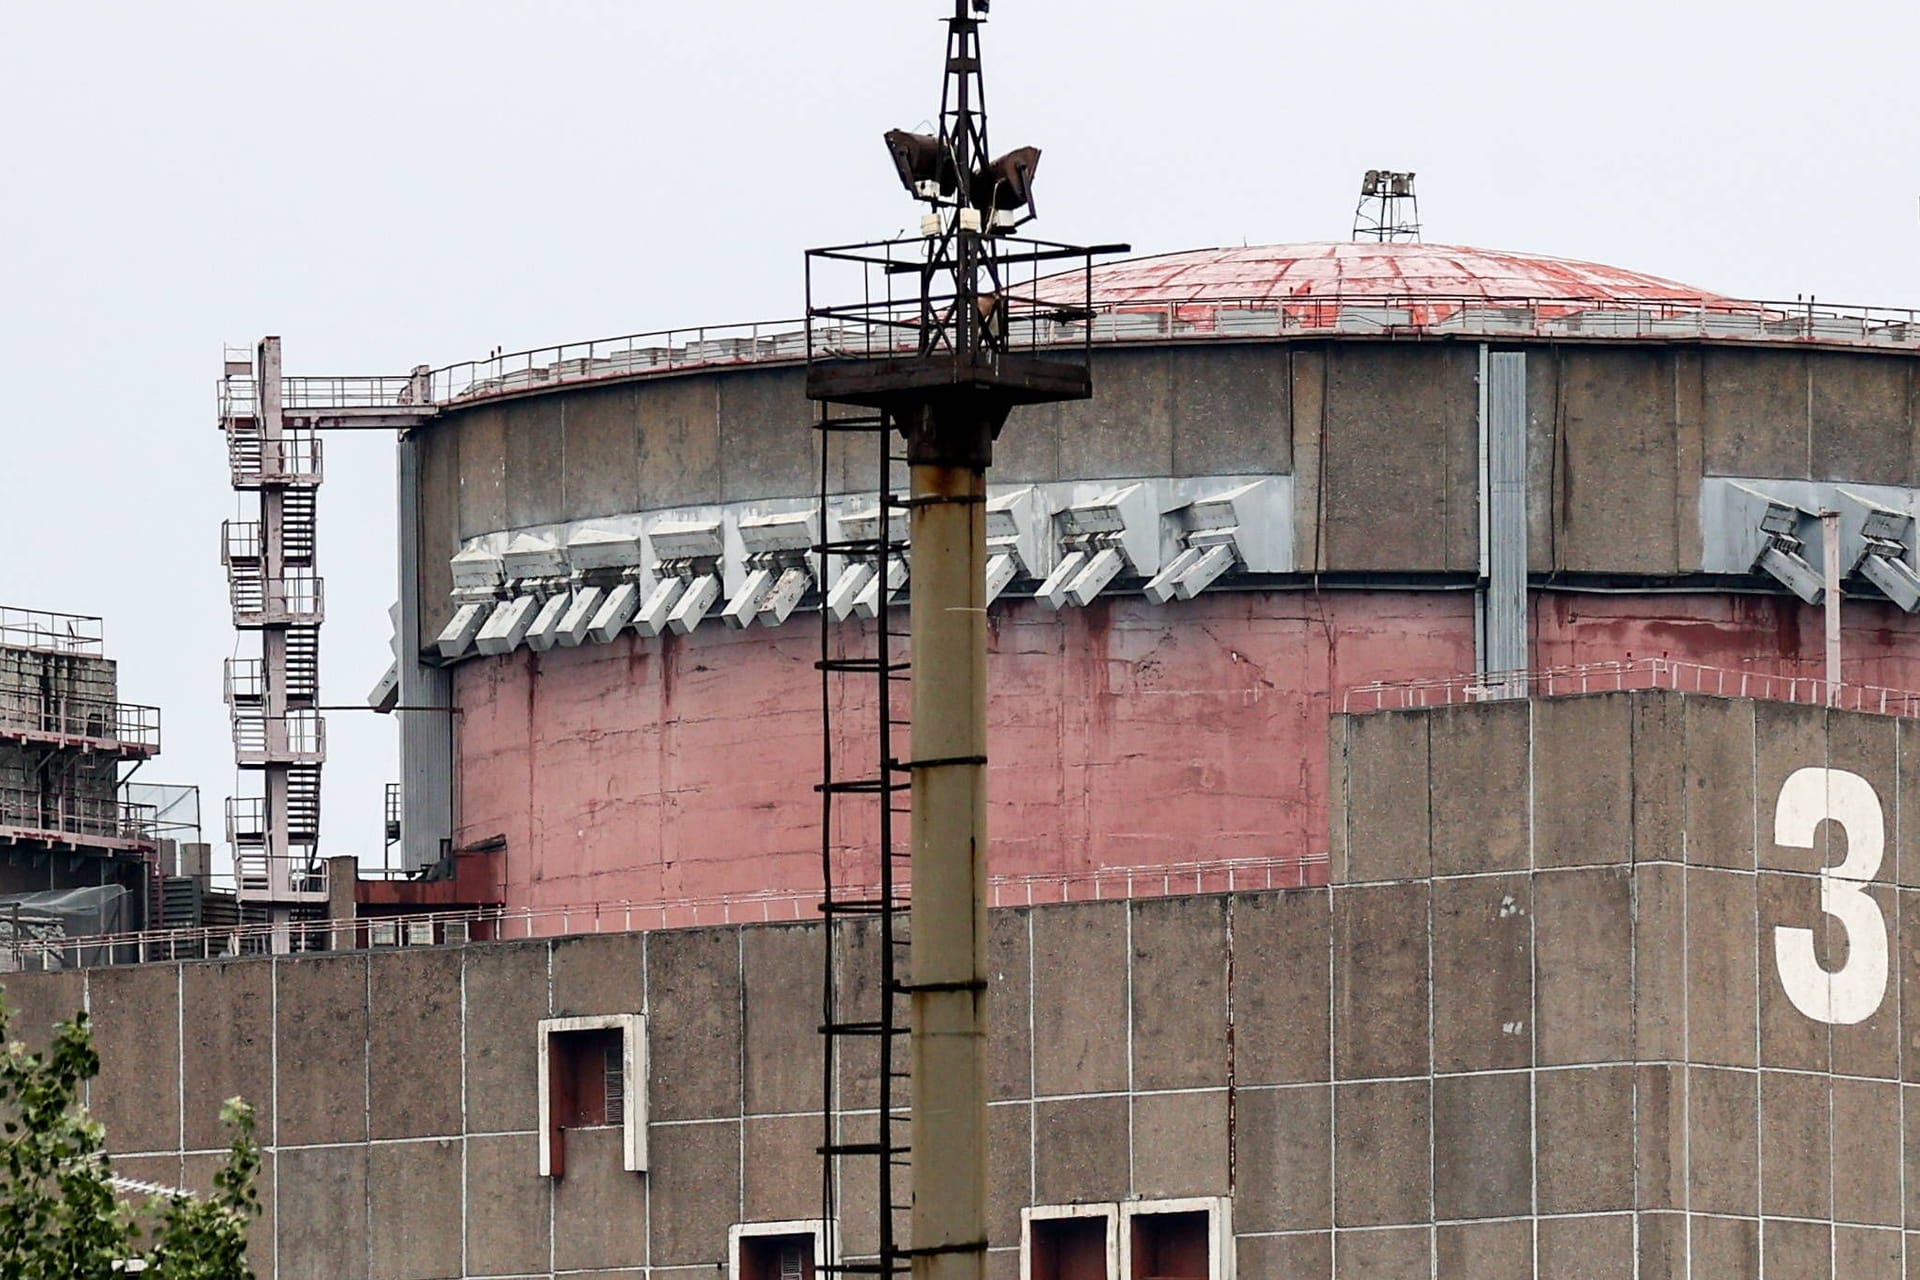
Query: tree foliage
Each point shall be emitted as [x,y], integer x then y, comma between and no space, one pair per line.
[60,1218]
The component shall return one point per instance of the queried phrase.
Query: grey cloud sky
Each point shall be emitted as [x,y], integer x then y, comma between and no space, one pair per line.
[392,183]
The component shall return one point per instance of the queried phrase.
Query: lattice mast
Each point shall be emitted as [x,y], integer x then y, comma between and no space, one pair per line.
[1388,211]
[943,365]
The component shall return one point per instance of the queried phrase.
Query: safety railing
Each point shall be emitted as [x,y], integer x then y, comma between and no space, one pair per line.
[57,632]
[1631,674]
[300,738]
[764,907]
[125,728]
[264,877]
[376,391]
[267,602]
[33,815]
[296,458]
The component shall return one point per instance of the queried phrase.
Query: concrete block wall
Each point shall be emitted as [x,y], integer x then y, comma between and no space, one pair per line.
[1535,1028]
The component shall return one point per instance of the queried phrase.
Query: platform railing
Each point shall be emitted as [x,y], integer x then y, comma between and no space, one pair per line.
[1625,675]
[125,727]
[434,928]
[58,632]
[33,815]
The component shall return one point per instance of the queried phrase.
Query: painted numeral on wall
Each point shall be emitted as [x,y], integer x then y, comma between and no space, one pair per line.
[1851,993]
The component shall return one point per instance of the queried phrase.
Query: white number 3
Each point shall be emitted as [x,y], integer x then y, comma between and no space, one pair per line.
[1855,990]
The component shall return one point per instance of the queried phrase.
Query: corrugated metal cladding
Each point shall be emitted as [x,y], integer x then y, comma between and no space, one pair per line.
[1504,598]
[426,737]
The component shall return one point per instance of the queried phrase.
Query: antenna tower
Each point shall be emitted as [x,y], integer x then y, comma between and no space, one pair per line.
[1388,210]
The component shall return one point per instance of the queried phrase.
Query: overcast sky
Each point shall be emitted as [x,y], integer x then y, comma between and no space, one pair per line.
[403,182]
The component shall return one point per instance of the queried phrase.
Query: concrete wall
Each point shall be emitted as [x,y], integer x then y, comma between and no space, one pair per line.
[1535,1028]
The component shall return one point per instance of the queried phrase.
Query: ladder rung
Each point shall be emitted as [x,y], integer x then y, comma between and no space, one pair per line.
[859,1149]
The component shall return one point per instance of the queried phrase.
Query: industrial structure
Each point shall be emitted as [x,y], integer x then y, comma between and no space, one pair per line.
[1445,719]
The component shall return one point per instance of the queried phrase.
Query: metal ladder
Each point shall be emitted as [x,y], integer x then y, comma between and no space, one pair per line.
[864,673]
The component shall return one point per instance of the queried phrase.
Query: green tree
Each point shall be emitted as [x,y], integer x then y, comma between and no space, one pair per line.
[59,1216]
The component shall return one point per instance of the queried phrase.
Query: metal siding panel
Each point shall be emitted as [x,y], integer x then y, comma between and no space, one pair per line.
[426,737]
[1506,525]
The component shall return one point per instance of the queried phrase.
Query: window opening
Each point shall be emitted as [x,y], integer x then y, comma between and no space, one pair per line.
[1068,1249]
[1171,1246]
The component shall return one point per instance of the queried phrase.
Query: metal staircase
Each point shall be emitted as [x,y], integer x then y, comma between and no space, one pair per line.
[864,864]
[278,604]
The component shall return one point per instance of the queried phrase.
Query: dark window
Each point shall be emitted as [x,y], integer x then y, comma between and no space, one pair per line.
[776,1258]
[1068,1248]
[1170,1246]
[585,1071]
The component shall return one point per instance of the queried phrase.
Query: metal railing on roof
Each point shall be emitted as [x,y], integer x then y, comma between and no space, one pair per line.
[124,727]
[1628,675]
[34,816]
[58,632]
[496,924]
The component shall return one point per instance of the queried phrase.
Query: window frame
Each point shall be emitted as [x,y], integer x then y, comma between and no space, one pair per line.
[1055,1212]
[825,1236]
[633,1063]
[1219,1211]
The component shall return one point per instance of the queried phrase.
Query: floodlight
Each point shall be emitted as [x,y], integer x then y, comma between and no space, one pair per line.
[925,168]
[1007,183]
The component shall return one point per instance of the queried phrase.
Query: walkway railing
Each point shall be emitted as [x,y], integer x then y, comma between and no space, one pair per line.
[500,924]
[39,629]
[1637,673]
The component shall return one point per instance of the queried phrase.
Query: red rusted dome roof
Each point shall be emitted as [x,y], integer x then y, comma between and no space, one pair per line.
[1374,270]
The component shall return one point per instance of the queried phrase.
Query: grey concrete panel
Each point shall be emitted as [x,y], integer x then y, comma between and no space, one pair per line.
[1584,1139]
[602,973]
[1596,1248]
[483,469]
[1231,410]
[1719,756]
[1009,1170]
[1307,397]
[39,1002]
[1659,961]
[506,996]
[514,1235]
[1127,428]
[1180,1144]
[781,1014]
[859,1188]
[415,1043]
[1659,777]
[1482,1146]
[856,998]
[1903,837]
[598,1208]
[1862,418]
[1009,1000]
[1660,1142]
[1583,965]
[1690,443]
[1283,1140]
[1280,995]
[1482,973]
[414,1188]
[1723,1149]
[1787,738]
[439,520]
[1478,797]
[228,1046]
[1867,1169]
[1755,412]
[1080,999]
[1179,992]
[679,441]
[767,446]
[536,461]
[693,987]
[1380,981]
[1662,1251]
[602,451]
[781,1176]
[135,1013]
[321,1027]
[1788,1037]
[1793,1250]
[1387,775]
[1028,450]
[1403,1254]
[1614,484]
[1402,441]
[1867,745]
[1080,1150]
[1903,978]
[1475,1250]
[1307,1256]
[325,1238]
[1862,1253]
[1381,1174]
[1721,926]
[1582,780]
[1728,1247]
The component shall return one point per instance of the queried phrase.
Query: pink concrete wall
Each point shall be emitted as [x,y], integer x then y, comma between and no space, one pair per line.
[1125,734]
